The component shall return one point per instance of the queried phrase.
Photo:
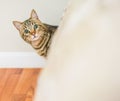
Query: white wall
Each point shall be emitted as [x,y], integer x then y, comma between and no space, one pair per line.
[49,11]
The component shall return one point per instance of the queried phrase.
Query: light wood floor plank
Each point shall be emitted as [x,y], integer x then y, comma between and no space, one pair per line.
[18,84]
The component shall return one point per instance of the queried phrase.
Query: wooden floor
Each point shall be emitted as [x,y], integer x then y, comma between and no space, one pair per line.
[18,84]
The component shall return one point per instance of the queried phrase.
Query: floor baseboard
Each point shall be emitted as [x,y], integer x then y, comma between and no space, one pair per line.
[21,60]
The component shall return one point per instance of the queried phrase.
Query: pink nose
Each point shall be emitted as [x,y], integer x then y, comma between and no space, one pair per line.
[33,32]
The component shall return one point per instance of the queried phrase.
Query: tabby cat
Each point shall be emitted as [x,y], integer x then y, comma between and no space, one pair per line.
[36,33]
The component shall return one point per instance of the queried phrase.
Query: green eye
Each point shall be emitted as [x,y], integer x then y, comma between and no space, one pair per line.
[26,31]
[35,26]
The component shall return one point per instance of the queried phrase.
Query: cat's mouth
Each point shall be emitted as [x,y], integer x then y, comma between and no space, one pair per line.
[35,37]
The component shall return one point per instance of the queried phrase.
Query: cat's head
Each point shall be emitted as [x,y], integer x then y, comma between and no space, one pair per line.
[31,29]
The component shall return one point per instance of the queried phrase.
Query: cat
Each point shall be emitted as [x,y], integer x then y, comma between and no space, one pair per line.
[37,34]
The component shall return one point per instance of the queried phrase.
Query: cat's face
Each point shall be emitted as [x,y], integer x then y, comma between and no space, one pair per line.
[31,29]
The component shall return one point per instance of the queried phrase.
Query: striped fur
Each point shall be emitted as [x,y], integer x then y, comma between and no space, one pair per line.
[36,33]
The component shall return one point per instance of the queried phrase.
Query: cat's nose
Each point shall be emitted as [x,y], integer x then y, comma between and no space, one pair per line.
[32,32]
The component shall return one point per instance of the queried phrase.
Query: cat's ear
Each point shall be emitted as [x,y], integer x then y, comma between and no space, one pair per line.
[34,14]
[17,24]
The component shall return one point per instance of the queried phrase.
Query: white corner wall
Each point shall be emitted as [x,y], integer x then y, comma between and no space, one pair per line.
[14,52]
[49,11]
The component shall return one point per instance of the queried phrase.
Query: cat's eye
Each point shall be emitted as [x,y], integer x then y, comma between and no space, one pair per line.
[35,26]
[26,31]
